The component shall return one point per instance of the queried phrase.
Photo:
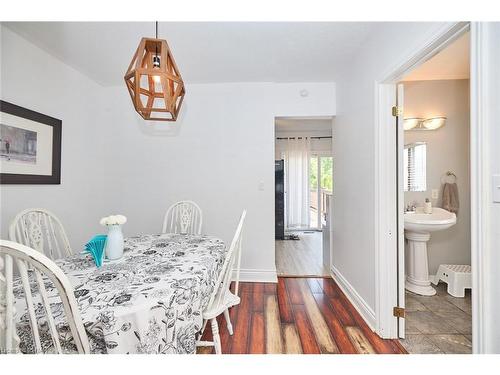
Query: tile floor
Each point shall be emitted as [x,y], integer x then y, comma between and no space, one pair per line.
[438,324]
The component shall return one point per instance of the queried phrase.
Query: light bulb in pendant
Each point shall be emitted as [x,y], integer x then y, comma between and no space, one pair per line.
[156,65]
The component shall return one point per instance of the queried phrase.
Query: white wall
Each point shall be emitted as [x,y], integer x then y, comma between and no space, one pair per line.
[35,80]
[354,151]
[218,153]
[447,150]
[354,190]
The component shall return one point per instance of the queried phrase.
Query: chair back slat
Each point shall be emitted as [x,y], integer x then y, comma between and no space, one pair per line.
[23,271]
[22,234]
[42,231]
[52,237]
[7,305]
[51,240]
[48,311]
[33,263]
[184,217]
[226,275]
[238,267]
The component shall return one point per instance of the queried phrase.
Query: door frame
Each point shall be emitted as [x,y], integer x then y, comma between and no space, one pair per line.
[386,231]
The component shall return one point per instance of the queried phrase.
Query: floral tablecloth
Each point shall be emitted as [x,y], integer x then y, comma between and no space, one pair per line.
[149,301]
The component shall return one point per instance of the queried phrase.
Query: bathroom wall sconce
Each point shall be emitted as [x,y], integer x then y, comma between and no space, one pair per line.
[411,123]
[416,123]
[434,123]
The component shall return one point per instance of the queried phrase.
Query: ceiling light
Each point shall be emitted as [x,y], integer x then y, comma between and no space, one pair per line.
[410,123]
[433,123]
[154,82]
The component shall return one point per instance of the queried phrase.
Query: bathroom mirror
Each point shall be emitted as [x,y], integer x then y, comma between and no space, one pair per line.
[415,167]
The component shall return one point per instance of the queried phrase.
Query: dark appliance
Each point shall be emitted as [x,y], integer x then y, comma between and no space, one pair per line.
[279,199]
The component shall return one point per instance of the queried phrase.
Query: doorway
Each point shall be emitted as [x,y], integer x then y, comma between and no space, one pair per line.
[436,190]
[303,179]
[390,301]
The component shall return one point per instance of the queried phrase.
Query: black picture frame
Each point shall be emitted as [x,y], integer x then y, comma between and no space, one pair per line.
[55,177]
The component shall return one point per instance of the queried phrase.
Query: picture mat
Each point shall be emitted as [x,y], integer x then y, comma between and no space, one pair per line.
[43,165]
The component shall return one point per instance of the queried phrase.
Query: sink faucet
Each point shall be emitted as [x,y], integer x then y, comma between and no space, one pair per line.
[411,207]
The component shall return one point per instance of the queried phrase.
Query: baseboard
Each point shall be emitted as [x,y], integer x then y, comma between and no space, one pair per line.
[357,301]
[256,276]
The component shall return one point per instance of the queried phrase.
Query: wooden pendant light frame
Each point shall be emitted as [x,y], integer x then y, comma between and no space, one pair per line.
[163,105]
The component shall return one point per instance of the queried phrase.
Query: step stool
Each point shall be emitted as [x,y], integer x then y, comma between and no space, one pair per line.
[458,277]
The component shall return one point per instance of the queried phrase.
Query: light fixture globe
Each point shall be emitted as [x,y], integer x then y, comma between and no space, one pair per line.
[434,123]
[154,82]
[411,123]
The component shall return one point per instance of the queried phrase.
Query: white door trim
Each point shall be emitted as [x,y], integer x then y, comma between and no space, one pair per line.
[385,196]
[385,210]
[479,168]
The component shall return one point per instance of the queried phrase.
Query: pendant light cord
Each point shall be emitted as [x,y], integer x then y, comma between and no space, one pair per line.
[156,47]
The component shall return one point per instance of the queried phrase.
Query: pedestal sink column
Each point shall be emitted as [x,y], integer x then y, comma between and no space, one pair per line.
[417,266]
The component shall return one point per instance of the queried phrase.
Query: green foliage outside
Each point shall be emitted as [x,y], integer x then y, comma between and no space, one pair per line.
[326,173]
[313,173]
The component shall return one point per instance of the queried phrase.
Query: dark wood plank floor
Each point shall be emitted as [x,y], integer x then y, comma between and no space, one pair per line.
[297,315]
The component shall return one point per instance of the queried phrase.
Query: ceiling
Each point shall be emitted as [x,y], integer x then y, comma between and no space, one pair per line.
[205,52]
[320,124]
[451,63]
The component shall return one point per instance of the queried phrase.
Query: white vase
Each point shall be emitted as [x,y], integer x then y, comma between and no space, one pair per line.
[114,242]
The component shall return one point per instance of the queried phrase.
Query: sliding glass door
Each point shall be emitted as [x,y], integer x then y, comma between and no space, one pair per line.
[320,185]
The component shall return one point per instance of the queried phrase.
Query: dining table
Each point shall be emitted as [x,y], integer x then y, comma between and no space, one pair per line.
[149,301]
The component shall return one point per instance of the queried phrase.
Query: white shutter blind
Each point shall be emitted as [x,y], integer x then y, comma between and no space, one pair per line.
[415,167]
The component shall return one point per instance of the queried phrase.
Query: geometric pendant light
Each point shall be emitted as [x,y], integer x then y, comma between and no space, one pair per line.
[154,82]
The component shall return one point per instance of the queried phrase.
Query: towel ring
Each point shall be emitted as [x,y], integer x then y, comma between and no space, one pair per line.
[449,174]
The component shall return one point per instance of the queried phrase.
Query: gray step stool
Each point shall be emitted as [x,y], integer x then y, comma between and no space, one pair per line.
[458,277]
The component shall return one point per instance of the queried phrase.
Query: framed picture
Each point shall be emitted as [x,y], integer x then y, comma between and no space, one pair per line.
[30,146]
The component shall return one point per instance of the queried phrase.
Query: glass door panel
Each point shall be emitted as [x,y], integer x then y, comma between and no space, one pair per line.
[326,184]
[313,191]
[320,185]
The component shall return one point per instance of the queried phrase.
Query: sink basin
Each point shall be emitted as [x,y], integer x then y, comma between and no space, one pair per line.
[421,222]
[418,229]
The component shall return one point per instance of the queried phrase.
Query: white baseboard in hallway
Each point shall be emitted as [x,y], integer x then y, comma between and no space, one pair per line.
[357,301]
[256,275]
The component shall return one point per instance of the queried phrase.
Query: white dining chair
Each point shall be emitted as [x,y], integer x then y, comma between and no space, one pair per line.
[222,298]
[41,230]
[40,269]
[184,217]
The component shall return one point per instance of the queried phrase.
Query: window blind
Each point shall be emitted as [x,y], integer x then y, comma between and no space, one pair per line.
[415,167]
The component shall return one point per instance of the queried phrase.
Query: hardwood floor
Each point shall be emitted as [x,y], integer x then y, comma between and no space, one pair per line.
[302,257]
[297,315]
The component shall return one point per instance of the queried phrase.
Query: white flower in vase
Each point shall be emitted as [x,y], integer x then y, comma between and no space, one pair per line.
[120,219]
[113,220]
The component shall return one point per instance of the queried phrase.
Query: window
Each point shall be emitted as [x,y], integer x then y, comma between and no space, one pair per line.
[415,167]
[320,185]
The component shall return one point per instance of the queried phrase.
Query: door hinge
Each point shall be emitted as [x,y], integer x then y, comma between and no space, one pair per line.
[397,111]
[398,312]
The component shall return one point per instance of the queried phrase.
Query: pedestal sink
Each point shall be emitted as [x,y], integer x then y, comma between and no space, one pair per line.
[418,227]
